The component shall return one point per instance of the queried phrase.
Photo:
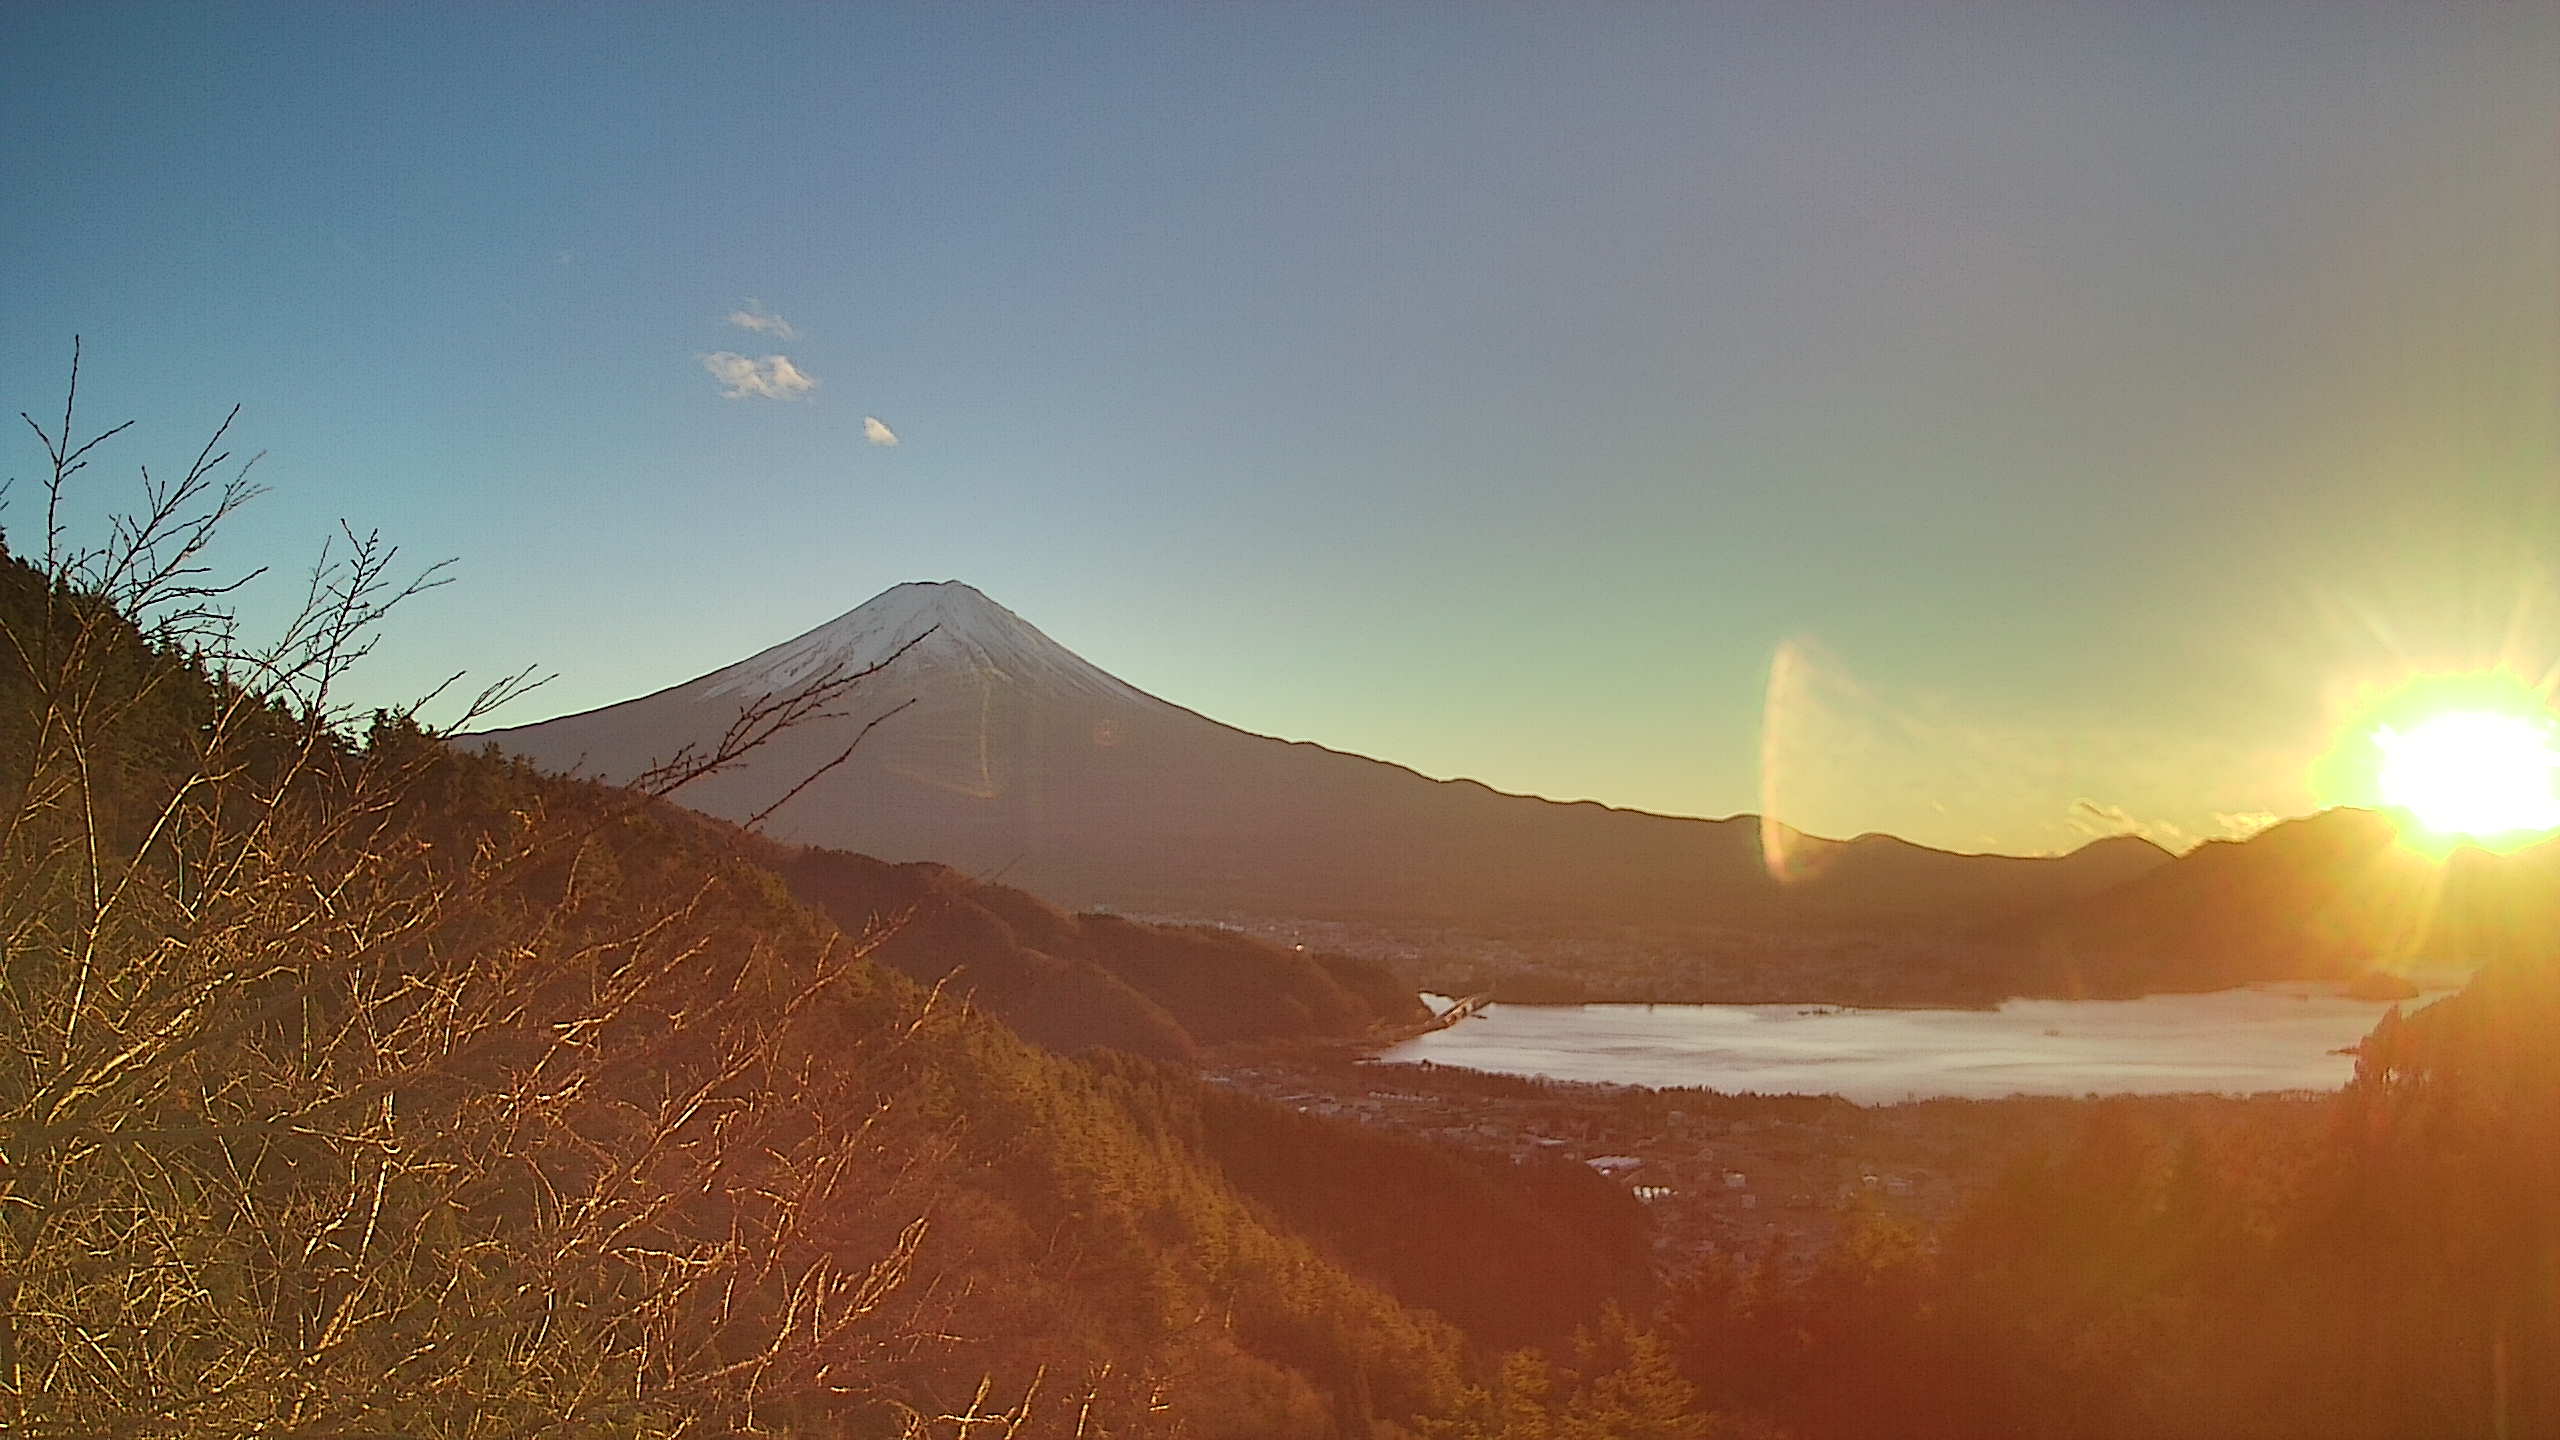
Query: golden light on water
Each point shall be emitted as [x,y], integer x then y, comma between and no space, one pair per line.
[2467,759]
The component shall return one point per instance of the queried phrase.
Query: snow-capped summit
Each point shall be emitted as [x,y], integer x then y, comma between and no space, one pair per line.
[955,626]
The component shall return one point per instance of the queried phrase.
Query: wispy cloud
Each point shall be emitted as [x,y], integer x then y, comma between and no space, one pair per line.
[877,433]
[2091,817]
[2240,825]
[753,316]
[774,377]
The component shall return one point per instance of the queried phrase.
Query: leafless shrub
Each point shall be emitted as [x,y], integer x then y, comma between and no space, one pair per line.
[315,1120]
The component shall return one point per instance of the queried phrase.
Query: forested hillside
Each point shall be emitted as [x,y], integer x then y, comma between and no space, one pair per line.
[2395,1274]
[1077,981]
[353,1084]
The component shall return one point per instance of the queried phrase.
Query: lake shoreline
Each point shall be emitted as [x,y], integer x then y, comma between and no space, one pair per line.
[2272,1037]
[2402,989]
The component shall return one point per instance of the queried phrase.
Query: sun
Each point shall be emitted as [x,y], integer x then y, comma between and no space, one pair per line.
[2463,759]
[2479,773]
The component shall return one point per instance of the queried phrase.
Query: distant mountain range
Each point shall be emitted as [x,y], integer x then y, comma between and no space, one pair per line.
[2331,895]
[1017,760]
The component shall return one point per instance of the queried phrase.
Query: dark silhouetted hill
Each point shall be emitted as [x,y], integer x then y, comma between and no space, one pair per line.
[1074,982]
[2329,896]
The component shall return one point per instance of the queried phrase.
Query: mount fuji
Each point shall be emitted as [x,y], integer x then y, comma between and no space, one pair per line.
[1014,759]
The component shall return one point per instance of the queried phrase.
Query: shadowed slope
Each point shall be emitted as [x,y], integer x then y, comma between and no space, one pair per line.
[1072,982]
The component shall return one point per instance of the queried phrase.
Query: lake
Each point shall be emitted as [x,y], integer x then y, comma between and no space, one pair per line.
[2245,1041]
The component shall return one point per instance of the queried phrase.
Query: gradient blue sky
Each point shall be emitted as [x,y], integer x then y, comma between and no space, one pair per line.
[2071,406]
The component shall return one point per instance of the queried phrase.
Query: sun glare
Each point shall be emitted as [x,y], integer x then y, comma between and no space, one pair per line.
[2471,772]
[2466,760]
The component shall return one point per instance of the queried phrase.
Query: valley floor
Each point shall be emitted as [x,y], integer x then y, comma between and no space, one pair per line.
[1746,1175]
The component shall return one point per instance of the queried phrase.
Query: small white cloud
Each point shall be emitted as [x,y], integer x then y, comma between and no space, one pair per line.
[877,433]
[774,377]
[753,316]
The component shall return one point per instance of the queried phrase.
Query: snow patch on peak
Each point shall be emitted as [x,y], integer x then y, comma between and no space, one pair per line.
[961,628]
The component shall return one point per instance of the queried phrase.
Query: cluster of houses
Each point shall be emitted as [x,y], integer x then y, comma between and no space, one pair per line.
[1697,963]
[1721,1182]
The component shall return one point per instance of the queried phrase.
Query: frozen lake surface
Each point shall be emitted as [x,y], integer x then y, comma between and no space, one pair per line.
[2246,1041]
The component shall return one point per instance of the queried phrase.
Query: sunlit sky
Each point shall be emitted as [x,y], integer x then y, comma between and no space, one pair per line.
[2073,407]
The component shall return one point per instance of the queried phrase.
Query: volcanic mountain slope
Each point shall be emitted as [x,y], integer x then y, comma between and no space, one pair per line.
[1019,761]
